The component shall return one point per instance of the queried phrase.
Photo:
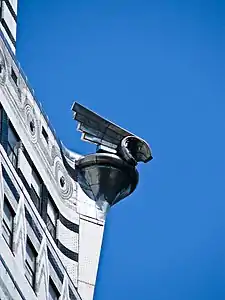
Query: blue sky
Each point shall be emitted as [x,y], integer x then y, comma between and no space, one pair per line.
[157,69]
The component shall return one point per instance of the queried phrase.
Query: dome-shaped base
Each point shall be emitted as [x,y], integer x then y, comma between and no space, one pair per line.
[106,177]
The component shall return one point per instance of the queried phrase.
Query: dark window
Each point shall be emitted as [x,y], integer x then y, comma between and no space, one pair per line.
[0,118]
[52,216]
[30,263]
[10,184]
[45,135]
[7,224]
[36,189]
[14,76]
[53,292]
[12,145]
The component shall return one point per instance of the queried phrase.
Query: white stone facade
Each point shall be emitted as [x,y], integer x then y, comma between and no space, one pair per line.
[66,252]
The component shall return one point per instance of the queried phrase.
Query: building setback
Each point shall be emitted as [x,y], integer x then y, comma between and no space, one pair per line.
[52,201]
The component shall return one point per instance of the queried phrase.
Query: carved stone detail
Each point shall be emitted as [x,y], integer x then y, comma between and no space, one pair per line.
[63,181]
[24,95]
[31,123]
[55,152]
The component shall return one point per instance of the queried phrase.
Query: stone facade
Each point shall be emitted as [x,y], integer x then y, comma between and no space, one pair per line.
[32,173]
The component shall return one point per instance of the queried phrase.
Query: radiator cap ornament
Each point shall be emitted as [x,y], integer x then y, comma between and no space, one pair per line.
[110,174]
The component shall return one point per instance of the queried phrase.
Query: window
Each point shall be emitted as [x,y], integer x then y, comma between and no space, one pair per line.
[7,224]
[36,189]
[12,145]
[53,292]
[30,263]
[0,119]
[14,76]
[52,216]
[45,135]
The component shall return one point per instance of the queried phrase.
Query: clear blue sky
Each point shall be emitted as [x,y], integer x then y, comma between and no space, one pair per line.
[156,68]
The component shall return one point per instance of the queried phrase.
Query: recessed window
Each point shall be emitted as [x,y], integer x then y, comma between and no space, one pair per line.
[36,189]
[45,135]
[53,292]
[1,110]
[7,224]
[30,263]
[12,145]
[52,216]
[14,76]
[35,185]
